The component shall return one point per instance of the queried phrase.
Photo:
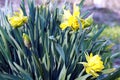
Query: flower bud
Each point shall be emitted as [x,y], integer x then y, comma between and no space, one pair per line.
[88,20]
[26,39]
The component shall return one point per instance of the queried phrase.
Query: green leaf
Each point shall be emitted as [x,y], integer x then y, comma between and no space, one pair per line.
[115,55]
[62,73]
[16,44]
[22,5]
[113,76]
[98,33]
[81,3]
[9,77]
[83,77]
[107,71]
[60,51]
[52,38]
[38,65]
[85,14]
[7,51]
[2,77]
[25,74]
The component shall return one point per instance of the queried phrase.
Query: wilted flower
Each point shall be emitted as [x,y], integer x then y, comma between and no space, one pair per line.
[72,20]
[93,64]
[26,40]
[18,19]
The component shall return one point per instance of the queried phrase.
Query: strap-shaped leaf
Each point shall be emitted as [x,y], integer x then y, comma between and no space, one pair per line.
[7,51]
[81,3]
[83,77]
[98,33]
[107,71]
[25,74]
[113,76]
[9,77]
[60,51]
[63,73]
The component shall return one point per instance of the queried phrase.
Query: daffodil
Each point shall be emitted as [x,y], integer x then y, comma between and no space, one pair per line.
[26,40]
[93,65]
[18,19]
[73,20]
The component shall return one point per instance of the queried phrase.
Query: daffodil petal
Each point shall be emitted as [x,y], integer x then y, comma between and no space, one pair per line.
[94,73]
[76,11]
[66,15]
[64,25]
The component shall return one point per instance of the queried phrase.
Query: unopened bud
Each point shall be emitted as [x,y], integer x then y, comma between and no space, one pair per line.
[89,20]
[26,39]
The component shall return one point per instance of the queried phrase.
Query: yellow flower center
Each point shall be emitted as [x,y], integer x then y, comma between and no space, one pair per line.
[73,21]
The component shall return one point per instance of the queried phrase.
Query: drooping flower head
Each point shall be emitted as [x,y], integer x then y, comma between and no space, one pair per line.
[73,20]
[18,19]
[93,65]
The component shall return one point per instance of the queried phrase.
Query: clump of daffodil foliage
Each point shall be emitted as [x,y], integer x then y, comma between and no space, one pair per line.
[52,44]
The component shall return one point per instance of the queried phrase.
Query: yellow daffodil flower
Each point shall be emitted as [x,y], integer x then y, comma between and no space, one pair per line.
[17,20]
[93,64]
[26,40]
[72,20]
